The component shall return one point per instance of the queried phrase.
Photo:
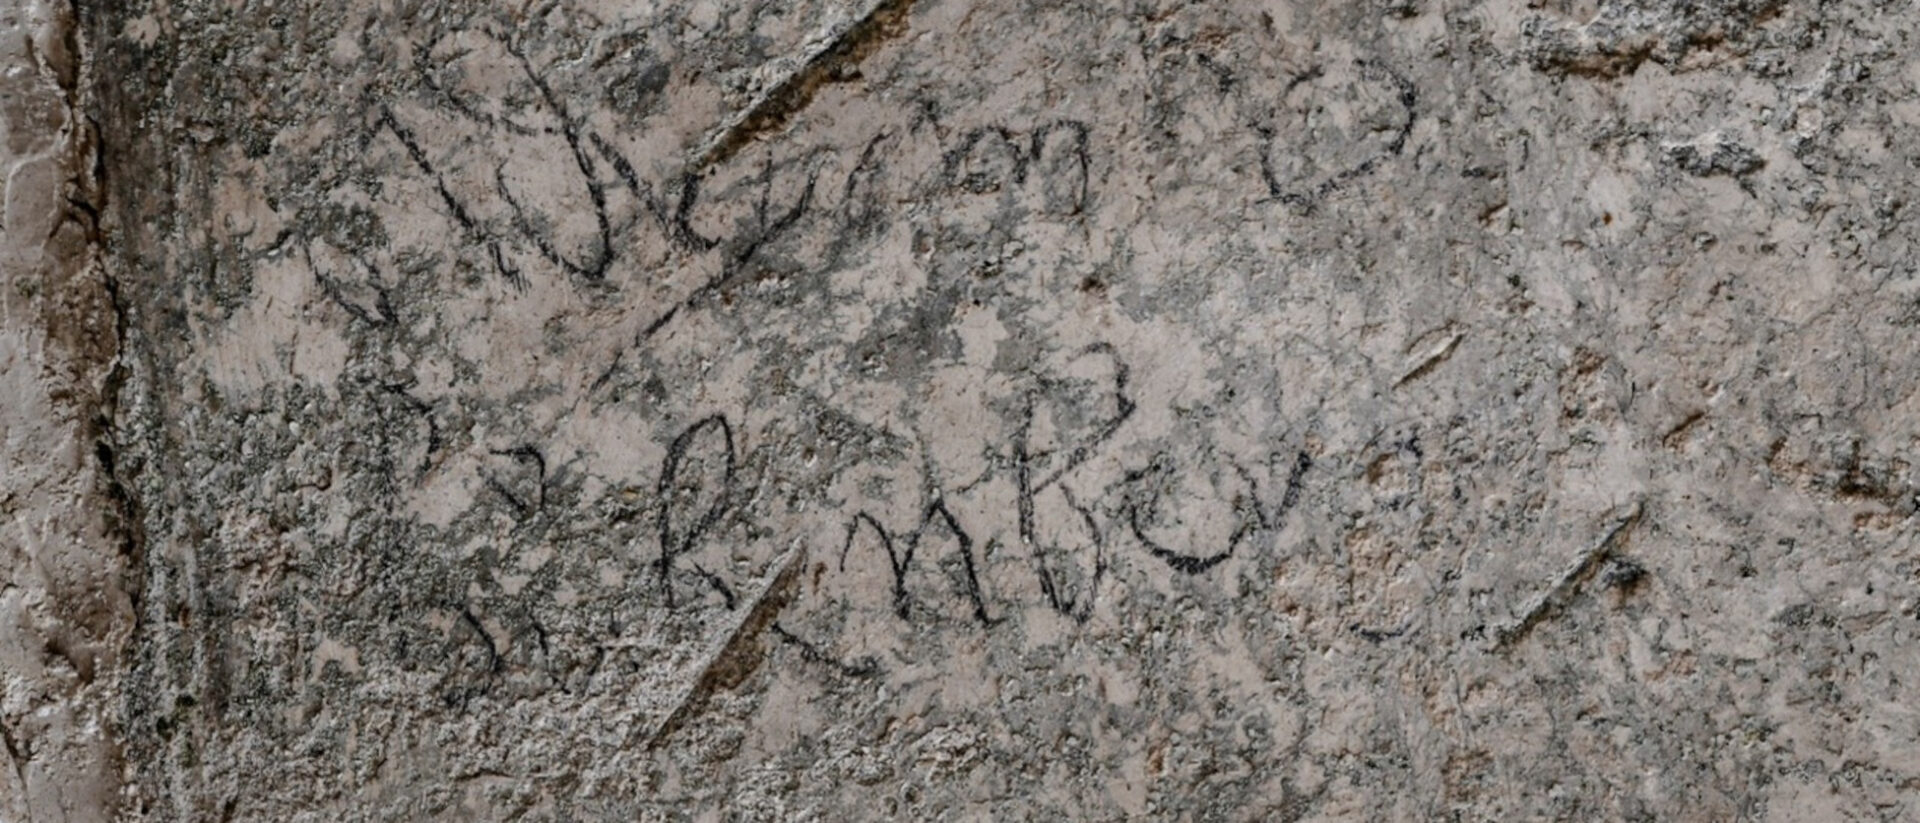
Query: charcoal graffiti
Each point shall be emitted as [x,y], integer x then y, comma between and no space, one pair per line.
[1068,571]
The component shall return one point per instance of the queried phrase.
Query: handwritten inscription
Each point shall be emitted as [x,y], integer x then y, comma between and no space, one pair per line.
[1306,153]
[995,158]
[1066,540]
[1058,492]
[698,508]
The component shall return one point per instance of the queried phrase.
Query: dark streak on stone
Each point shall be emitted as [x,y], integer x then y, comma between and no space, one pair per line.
[885,22]
[742,653]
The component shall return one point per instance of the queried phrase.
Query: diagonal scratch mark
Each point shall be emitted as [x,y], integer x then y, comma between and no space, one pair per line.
[1432,360]
[738,653]
[1582,570]
[830,59]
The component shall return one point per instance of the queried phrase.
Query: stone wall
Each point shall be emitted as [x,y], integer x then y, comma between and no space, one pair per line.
[64,612]
[962,409]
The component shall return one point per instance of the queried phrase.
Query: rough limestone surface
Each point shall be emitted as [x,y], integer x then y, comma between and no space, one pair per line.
[64,611]
[960,409]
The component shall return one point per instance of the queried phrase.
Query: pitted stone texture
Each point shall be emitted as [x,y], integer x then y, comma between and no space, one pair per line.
[1300,410]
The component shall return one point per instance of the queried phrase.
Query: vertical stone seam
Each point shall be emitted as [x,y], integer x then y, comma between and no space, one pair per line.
[83,295]
[88,194]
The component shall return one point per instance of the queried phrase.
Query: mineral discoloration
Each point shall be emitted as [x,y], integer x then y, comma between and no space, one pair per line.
[64,614]
[1303,410]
